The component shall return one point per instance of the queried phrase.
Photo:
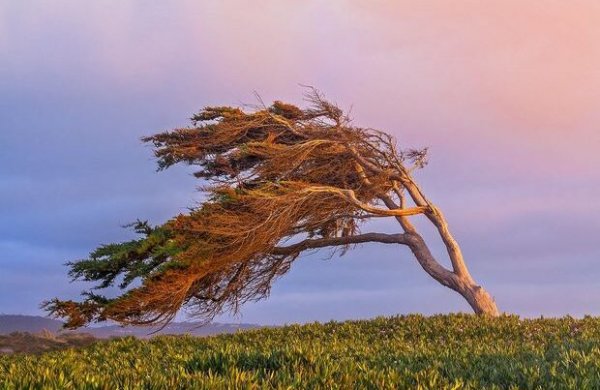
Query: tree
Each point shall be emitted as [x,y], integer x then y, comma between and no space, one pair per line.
[279,181]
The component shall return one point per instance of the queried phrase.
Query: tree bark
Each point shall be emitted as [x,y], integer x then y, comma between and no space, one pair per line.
[478,298]
[458,279]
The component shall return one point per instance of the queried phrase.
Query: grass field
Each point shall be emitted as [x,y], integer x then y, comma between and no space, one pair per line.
[439,352]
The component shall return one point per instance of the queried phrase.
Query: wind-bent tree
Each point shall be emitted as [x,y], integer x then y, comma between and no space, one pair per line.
[280,181]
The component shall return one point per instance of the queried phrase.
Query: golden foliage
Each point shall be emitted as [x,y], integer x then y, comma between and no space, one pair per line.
[275,175]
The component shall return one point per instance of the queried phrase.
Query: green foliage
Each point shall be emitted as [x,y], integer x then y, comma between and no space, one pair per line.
[133,259]
[138,259]
[411,352]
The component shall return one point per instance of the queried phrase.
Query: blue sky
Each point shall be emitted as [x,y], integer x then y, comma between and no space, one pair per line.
[505,96]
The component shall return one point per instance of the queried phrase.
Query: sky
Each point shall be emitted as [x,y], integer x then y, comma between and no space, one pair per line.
[506,95]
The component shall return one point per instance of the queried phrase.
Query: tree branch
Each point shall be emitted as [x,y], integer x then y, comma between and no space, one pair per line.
[439,221]
[338,241]
[407,226]
[350,196]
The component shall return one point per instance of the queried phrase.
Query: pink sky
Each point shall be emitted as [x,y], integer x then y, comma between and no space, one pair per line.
[505,93]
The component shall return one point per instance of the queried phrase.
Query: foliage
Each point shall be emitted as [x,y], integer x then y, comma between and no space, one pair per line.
[408,352]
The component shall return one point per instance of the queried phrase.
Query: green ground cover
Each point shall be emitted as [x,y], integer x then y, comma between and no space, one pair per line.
[413,352]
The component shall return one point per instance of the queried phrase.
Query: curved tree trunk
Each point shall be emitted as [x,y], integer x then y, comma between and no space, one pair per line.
[478,298]
[458,279]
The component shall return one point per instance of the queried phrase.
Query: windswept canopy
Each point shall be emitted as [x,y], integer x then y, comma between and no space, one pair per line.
[279,180]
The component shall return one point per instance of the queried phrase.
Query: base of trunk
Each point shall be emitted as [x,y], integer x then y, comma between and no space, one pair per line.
[479,299]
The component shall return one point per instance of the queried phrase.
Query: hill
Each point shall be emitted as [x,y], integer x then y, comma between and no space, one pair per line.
[10,323]
[36,324]
[409,352]
[44,341]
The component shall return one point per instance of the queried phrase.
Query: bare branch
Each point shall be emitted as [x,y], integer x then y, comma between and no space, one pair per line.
[350,196]
[398,238]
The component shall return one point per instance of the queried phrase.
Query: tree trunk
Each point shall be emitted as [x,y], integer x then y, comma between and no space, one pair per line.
[480,300]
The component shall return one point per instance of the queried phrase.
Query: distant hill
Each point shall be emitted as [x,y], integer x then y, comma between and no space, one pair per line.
[34,324]
[44,341]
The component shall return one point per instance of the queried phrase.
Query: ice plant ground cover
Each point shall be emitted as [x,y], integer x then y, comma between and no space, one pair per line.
[438,352]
